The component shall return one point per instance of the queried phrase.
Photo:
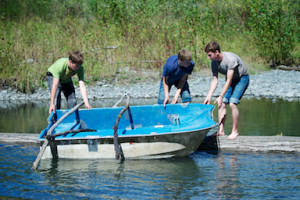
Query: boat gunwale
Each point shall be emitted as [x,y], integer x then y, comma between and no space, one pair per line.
[88,137]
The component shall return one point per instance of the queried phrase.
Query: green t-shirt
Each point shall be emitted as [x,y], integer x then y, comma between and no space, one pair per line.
[61,71]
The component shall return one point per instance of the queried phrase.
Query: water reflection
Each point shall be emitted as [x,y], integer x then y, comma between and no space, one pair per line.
[227,180]
[166,178]
[200,176]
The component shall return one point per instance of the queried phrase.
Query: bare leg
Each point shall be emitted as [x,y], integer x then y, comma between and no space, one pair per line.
[222,118]
[235,120]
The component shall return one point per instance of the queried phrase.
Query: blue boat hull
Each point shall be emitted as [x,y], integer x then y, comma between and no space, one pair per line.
[150,131]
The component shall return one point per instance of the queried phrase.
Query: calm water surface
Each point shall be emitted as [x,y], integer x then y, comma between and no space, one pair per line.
[257,117]
[199,176]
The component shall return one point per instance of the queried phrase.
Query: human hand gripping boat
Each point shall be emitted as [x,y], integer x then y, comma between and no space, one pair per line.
[143,132]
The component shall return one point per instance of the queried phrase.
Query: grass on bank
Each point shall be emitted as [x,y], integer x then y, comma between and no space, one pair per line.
[34,34]
[37,45]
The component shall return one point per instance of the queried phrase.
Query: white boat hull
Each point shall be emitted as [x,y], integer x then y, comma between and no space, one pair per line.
[153,150]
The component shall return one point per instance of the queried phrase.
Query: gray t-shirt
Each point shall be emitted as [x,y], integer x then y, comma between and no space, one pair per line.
[229,61]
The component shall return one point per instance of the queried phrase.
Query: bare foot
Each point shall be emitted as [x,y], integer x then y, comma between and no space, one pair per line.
[233,136]
[221,133]
[217,134]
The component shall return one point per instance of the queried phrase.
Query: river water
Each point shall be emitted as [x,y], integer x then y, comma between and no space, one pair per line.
[202,175]
[258,117]
[199,176]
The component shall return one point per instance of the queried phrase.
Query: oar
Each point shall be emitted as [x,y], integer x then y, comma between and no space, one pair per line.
[118,148]
[129,110]
[42,150]
[118,102]
[53,136]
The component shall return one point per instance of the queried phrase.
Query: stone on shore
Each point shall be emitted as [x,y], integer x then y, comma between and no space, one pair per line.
[274,84]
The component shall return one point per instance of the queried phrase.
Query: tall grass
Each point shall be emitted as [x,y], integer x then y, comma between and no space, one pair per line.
[34,33]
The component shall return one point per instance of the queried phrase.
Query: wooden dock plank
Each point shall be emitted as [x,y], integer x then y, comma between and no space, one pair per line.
[285,144]
[19,138]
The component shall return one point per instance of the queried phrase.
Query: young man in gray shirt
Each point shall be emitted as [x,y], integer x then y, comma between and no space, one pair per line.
[237,81]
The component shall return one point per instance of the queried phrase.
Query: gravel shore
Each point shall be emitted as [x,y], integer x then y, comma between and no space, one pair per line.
[274,84]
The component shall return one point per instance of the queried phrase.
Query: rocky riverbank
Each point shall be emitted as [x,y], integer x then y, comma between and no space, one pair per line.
[274,84]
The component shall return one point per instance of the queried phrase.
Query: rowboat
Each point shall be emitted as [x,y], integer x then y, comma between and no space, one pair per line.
[143,132]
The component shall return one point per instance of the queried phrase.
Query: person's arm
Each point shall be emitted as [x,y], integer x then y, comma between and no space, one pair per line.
[179,89]
[213,86]
[229,77]
[55,83]
[166,90]
[84,95]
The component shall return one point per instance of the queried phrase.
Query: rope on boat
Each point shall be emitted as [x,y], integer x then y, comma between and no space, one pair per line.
[43,148]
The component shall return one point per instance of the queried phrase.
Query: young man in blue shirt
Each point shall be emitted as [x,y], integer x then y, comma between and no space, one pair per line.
[175,72]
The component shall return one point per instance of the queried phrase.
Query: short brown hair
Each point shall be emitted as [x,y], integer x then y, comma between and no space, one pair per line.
[185,55]
[76,57]
[212,47]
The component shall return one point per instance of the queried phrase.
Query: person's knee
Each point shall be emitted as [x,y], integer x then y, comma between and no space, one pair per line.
[232,106]
[71,103]
[186,96]
[234,101]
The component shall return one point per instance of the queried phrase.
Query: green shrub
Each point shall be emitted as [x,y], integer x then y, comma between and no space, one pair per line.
[274,29]
[35,33]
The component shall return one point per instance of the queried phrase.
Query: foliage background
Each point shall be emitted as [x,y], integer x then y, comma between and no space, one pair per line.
[35,33]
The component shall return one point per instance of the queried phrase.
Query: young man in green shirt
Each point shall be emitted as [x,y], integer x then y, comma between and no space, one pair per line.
[60,80]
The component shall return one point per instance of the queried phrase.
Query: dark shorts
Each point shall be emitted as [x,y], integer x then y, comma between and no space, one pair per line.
[68,90]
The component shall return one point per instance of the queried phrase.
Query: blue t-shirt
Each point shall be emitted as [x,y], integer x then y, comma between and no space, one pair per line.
[173,72]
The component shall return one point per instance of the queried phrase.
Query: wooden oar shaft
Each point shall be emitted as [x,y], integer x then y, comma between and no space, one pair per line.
[69,131]
[42,150]
[116,143]
[118,102]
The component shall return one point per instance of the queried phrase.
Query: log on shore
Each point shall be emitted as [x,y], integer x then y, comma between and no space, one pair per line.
[282,67]
[284,144]
[19,138]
